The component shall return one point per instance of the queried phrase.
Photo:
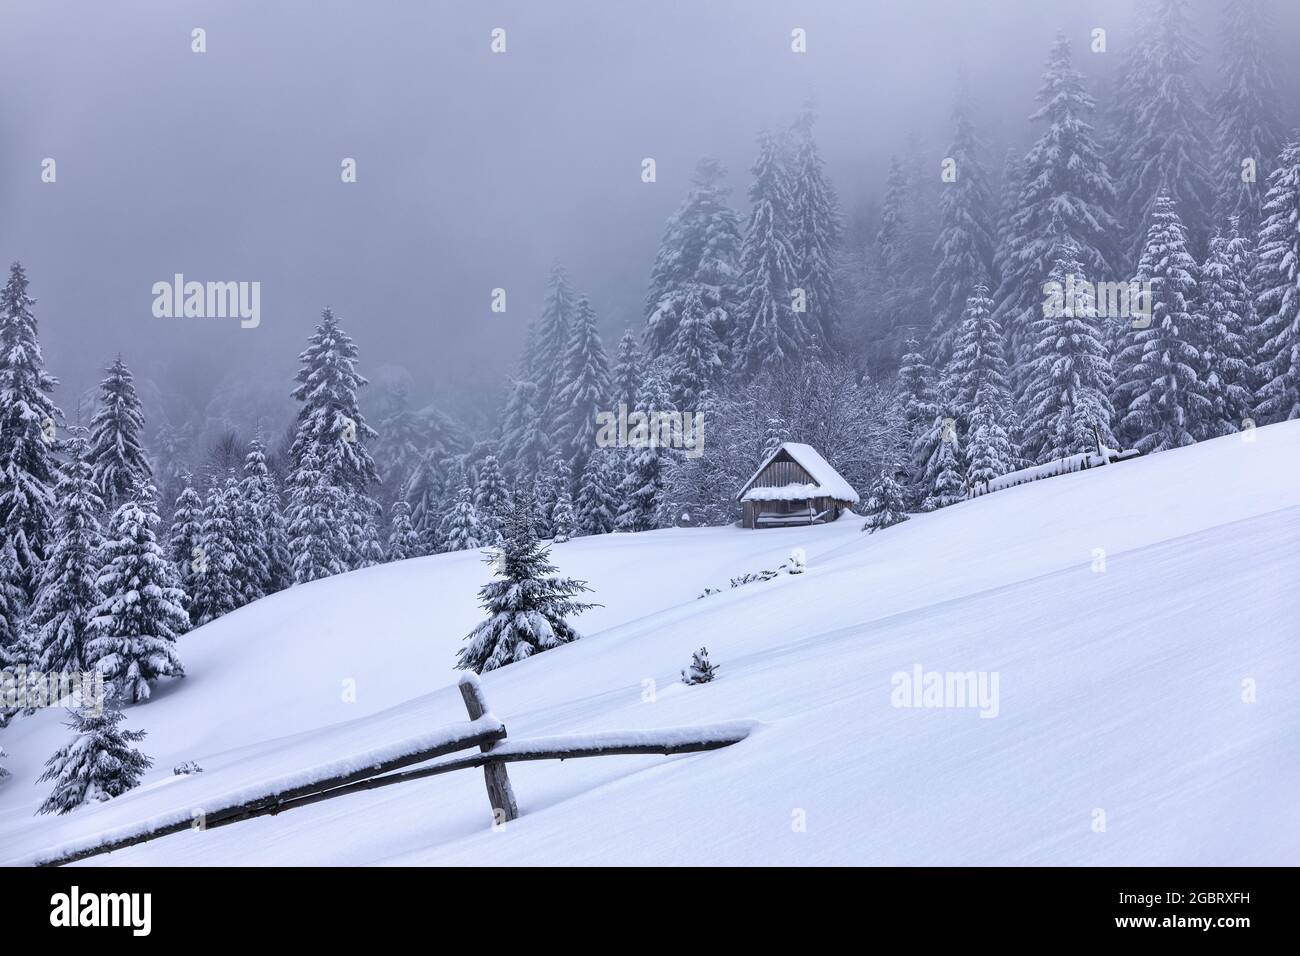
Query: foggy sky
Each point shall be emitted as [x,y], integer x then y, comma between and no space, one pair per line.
[475,170]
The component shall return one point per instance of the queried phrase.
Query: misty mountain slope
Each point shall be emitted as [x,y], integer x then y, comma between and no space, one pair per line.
[1120,692]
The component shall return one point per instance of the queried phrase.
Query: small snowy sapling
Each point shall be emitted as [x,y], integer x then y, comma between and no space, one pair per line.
[700,671]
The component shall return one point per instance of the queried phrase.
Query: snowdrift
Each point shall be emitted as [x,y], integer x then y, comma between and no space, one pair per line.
[1143,623]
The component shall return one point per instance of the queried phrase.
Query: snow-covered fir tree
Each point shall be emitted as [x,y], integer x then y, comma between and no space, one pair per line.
[551,339]
[524,432]
[491,495]
[696,357]
[585,388]
[331,434]
[260,503]
[919,404]
[563,520]
[700,253]
[1068,378]
[59,623]
[319,537]
[462,529]
[1278,293]
[814,232]
[28,422]
[597,504]
[886,502]
[965,246]
[12,609]
[403,437]
[134,631]
[643,483]
[1226,350]
[1160,395]
[989,450]
[428,493]
[1248,128]
[555,479]
[101,762]
[215,586]
[942,480]
[1067,193]
[366,535]
[978,362]
[403,542]
[1166,148]
[700,671]
[184,542]
[528,606]
[116,446]
[625,383]
[771,332]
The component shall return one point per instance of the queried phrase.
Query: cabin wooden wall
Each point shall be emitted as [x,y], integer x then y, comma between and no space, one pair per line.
[782,470]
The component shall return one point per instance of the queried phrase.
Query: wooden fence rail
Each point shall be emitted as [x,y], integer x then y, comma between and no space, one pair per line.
[484,731]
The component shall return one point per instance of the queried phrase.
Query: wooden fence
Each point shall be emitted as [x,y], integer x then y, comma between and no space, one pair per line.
[483,731]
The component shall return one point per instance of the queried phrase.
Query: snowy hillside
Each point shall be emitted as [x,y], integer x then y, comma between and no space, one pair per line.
[1121,691]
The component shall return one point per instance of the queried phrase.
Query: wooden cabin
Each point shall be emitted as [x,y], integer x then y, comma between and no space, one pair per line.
[794,486]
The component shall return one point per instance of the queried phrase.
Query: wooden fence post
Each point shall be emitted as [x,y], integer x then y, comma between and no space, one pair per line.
[499,791]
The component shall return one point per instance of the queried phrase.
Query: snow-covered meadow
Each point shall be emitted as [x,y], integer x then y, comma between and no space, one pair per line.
[1141,620]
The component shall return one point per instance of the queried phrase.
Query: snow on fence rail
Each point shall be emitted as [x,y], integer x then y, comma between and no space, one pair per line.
[1061,466]
[382,768]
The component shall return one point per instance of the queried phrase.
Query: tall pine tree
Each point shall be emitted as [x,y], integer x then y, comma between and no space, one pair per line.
[116,448]
[28,419]
[1278,298]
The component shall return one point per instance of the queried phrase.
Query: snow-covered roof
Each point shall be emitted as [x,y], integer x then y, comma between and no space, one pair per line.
[828,482]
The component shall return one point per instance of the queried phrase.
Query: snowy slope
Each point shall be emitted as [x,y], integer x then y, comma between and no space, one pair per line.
[1120,691]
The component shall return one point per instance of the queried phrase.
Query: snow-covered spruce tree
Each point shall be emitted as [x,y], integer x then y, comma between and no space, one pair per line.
[528,606]
[891,248]
[989,450]
[319,532]
[699,252]
[886,503]
[1277,286]
[551,340]
[1068,380]
[814,232]
[331,431]
[427,492]
[403,437]
[919,404]
[597,503]
[700,670]
[1160,396]
[642,485]
[965,245]
[116,449]
[524,434]
[556,478]
[625,383]
[184,541]
[586,386]
[942,481]
[1247,112]
[462,529]
[58,624]
[271,567]
[696,357]
[216,586]
[978,363]
[134,631]
[403,542]
[28,418]
[563,521]
[365,542]
[1169,148]
[1226,351]
[771,333]
[12,610]
[1067,193]
[98,764]
[491,495]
